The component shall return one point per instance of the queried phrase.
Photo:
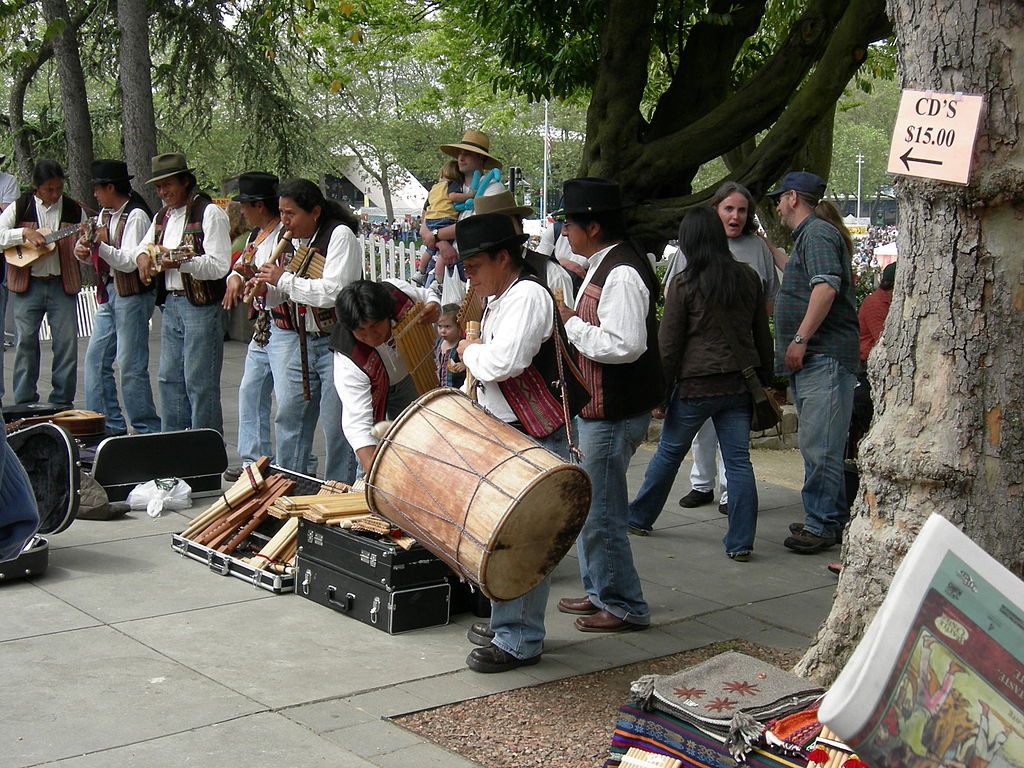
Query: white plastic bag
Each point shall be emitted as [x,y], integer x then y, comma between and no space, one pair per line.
[454,289]
[160,494]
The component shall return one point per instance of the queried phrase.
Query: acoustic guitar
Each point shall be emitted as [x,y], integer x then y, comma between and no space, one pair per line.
[26,253]
[79,422]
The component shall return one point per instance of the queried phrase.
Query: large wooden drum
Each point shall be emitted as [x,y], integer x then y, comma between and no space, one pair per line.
[482,496]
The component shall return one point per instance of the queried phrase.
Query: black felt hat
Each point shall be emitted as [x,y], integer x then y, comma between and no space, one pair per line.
[488,232]
[590,195]
[256,185]
[109,171]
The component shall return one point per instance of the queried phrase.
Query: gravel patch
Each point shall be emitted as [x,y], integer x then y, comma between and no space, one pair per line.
[564,724]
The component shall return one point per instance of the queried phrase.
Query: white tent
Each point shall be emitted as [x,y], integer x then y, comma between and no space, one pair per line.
[885,254]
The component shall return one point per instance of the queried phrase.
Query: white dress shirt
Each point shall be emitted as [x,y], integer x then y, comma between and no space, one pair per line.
[48,217]
[622,310]
[213,264]
[343,264]
[353,385]
[263,252]
[123,259]
[512,330]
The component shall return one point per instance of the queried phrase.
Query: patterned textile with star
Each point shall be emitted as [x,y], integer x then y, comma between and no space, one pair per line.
[731,697]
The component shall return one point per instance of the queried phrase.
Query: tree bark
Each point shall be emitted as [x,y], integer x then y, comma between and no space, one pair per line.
[74,103]
[947,374]
[21,134]
[137,116]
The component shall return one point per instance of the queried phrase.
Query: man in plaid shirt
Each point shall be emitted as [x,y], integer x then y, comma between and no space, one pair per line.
[816,346]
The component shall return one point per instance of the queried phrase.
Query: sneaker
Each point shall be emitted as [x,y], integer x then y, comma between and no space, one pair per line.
[807,543]
[739,557]
[494,659]
[696,498]
[796,528]
[480,633]
[632,529]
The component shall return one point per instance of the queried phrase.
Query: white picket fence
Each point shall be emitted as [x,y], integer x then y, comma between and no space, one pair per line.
[387,259]
[381,261]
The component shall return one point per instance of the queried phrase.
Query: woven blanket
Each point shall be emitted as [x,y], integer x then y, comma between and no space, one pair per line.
[664,734]
[731,696]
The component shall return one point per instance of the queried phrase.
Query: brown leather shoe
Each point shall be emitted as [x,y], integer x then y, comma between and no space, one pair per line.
[580,606]
[602,621]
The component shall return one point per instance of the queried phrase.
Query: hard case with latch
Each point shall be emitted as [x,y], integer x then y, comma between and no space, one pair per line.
[392,611]
[364,556]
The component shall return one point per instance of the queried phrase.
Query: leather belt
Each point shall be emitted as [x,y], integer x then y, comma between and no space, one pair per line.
[46,277]
[177,293]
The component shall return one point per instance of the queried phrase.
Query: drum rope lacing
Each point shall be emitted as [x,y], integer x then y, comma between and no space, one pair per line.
[444,514]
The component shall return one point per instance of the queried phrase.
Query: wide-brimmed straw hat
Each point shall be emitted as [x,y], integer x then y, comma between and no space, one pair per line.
[474,141]
[503,202]
[488,232]
[167,165]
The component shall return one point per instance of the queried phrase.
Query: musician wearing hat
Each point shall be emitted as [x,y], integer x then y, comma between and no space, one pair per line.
[189,241]
[257,194]
[514,361]
[125,304]
[546,268]
[817,347]
[48,283]
[614,330]
[473,155]
[370,374]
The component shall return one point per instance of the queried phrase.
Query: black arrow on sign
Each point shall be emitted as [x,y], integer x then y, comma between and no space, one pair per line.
[907,159]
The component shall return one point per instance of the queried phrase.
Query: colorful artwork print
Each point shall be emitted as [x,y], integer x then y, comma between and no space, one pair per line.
[955,698]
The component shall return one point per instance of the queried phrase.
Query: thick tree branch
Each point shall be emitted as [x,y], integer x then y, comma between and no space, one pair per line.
[711,49]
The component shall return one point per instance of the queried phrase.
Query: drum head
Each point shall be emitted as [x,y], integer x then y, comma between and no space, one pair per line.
[538,530]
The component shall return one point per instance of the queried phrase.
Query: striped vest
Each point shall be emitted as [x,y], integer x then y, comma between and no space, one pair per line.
[70,272]
[200,293]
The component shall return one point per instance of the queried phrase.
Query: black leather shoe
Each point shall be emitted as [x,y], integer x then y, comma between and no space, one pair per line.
[796,528]
[480,633]
[493,659]
[696,498]
[231,474]
[723,509]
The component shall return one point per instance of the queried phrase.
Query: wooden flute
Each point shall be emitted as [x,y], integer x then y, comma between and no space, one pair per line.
[278,249]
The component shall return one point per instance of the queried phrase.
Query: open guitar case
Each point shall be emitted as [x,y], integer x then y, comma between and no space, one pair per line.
[50,457]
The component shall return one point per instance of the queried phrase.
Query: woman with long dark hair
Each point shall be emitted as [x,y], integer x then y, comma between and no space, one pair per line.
[712,299]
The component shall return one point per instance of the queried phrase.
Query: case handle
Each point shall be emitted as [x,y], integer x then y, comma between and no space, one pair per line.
[342,605]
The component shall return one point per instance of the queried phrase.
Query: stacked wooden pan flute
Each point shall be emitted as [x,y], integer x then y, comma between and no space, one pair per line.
[227,524]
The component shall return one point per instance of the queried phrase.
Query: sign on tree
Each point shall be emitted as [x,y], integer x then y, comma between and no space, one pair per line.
[934,135]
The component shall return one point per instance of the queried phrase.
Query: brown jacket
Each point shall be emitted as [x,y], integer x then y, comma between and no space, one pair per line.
[691,338]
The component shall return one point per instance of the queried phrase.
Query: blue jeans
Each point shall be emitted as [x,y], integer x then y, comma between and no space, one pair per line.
[19,515]
[606,561]
[823,394]
[191,357]
[3,335]
[254,396]
[45,297]
[518,625]
[121,330]
[683,420]
[295,424]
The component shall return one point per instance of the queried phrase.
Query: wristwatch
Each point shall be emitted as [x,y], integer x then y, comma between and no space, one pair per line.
[798,339]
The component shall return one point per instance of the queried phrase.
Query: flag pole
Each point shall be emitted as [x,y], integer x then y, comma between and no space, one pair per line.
[547,160]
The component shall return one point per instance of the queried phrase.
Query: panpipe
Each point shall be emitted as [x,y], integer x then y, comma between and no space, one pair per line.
[415,342]
[306,262]
[641,758]
[471,310]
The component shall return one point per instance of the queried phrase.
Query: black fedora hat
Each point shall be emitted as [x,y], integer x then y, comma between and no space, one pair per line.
[256,185]
[590,195]
[488,232]
[109,171]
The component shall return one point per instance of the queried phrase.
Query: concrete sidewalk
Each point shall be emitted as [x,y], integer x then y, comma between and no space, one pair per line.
[126,654]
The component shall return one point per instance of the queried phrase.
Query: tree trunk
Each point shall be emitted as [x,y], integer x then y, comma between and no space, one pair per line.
[21,133]
[77,125]
[137,116]
[947,374]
